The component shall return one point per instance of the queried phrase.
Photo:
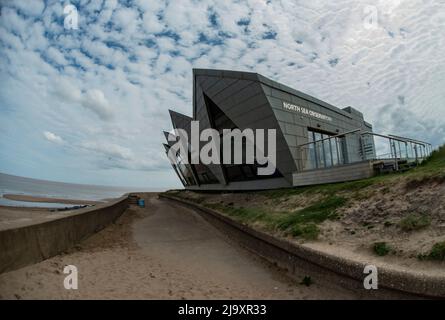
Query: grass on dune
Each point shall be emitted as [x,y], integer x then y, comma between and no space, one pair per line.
[326,189]
[435,162]
[302,223]
[316,213]
[242,214]
[437,252]
[432,169]
[414,222]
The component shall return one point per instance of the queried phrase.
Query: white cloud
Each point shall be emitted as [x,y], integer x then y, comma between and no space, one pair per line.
[127,19]
[13,22]
[66,90]
[108,149]
[56,56]
[52,137]
[33,8]
[95,101]
[151,24]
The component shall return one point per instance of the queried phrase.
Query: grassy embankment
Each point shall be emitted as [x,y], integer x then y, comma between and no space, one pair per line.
[298,212]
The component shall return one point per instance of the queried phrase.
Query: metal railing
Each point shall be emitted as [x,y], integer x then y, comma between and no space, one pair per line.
[356,146]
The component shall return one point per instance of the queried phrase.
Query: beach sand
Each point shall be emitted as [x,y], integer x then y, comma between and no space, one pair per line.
[11,217]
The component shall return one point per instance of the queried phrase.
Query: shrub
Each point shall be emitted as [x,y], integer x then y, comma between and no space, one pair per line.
[388,224]
[308,231]
[307,281]
[414,222]
[381,248]
[437,251]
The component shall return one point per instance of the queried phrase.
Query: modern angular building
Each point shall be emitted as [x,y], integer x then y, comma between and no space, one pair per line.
[315,142]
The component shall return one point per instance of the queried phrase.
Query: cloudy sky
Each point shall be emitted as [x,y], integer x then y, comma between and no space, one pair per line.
[88,105]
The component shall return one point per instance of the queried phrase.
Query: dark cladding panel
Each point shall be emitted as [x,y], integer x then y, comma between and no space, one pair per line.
[220,85]
[299,101]
[204,123]
[167,134]
[234,172]
[281,95]
[231,91]
[284,116]
[206,82]
[166,147]
[252,98]
[252,104]
[293,129]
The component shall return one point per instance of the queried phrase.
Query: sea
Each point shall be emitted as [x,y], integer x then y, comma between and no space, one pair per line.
[10,184]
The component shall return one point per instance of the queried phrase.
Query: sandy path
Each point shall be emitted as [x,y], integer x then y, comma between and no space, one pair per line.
[162,251]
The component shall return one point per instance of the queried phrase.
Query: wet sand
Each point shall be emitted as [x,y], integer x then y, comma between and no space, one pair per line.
[17,216]
[14,217]
[27,198]
[163,251]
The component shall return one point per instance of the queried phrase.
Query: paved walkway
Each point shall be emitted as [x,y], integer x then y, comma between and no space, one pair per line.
[162,251]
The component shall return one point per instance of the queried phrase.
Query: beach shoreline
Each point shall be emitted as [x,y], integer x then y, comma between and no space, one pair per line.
[29,198]
[17,216]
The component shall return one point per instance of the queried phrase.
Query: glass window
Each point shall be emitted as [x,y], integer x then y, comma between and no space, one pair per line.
[410,150]
[204,174]
[234,173]
[334,151]
[178,172]
[404,150]
[339,143]
[319,150]
[416,151]
[311,157]
[185,170]
[181,169]
[248,171]
[325,151]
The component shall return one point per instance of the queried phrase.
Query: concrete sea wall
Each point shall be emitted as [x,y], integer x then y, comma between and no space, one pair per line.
[33,243]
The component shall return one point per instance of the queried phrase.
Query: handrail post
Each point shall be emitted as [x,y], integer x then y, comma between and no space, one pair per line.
[396,163]
[415,153]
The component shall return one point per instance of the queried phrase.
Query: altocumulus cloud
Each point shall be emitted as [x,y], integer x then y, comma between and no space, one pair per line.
[106,87]
[109,150]
[92,99]
[95,100]
[52,137]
